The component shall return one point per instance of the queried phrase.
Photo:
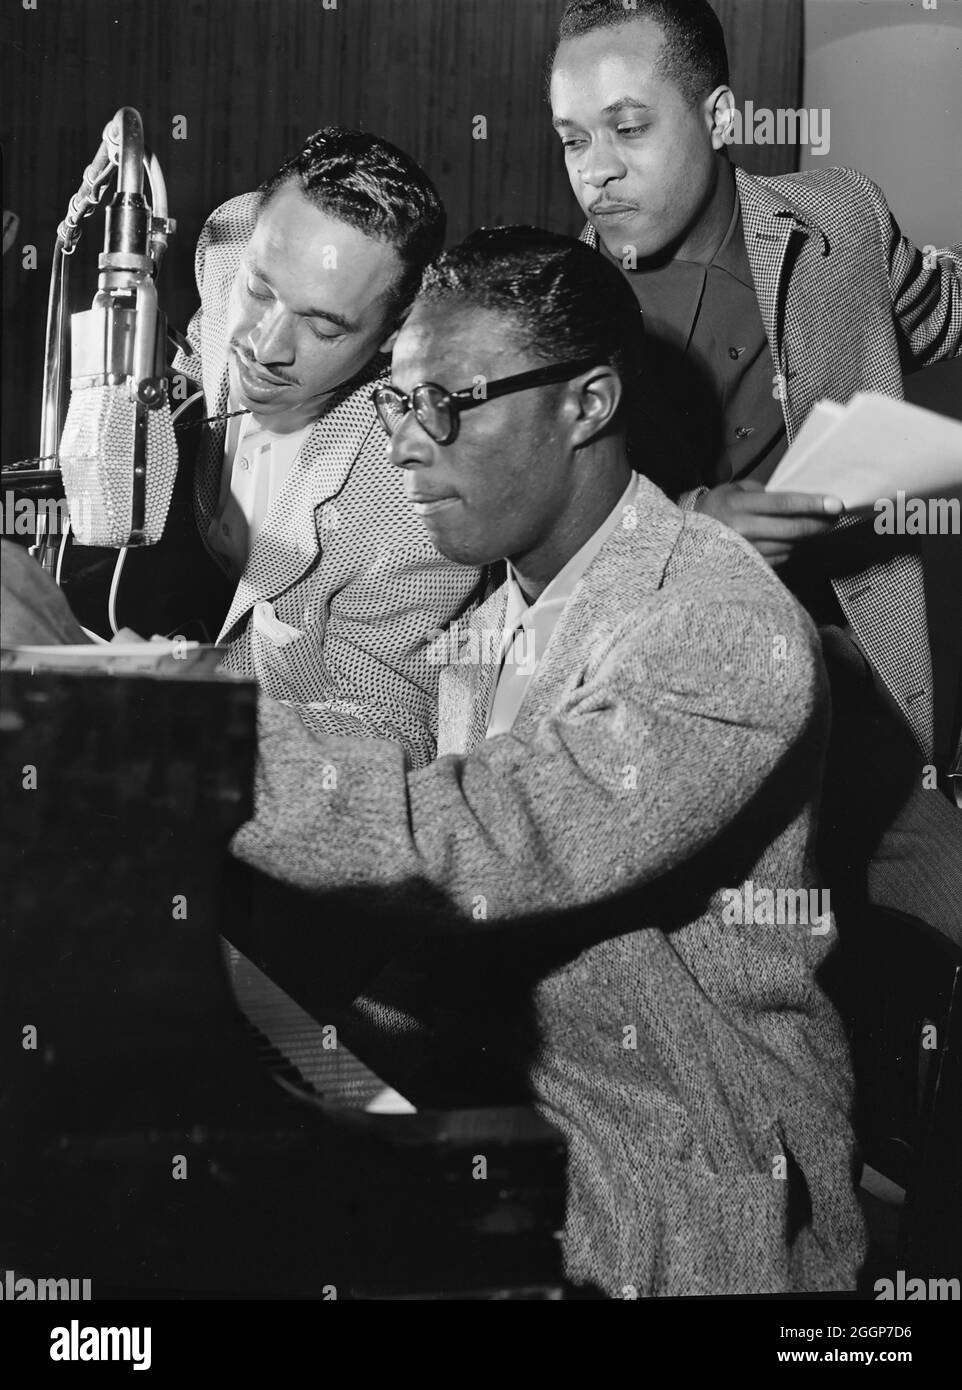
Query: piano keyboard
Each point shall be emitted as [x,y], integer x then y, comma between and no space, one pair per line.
[299,1050]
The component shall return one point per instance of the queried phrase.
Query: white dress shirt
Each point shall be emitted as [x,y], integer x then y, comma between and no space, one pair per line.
[257,464]
[528,628]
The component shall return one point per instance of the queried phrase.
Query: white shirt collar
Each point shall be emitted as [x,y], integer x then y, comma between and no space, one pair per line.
[555,596]
[529,629]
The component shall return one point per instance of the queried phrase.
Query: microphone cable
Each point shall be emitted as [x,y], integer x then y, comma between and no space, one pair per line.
[114,586]
[122,553]
[61,552]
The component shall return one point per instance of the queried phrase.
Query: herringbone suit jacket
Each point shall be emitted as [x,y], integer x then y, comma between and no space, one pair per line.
[848,305]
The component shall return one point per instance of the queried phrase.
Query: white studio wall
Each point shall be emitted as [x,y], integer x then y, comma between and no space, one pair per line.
[890,74]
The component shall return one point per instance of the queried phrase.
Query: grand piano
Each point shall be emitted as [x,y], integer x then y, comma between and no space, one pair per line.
[175,1123]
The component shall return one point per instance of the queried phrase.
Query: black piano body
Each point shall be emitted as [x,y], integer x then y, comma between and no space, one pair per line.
[145,1143]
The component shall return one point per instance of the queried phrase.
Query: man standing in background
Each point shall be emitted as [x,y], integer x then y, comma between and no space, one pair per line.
[766,295]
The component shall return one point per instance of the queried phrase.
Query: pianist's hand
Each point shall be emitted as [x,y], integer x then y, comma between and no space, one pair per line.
[33,611]
[774,522]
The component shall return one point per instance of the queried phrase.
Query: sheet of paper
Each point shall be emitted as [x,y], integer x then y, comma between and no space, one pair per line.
[158,658]
[875,448]
[821,420]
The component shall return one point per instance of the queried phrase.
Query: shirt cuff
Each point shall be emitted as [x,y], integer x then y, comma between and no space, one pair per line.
[688,501]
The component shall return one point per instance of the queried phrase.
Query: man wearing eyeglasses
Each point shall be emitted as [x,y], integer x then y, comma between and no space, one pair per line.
[631,731]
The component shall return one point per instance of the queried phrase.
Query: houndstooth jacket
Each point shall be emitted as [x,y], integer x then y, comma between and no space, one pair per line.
[849,304]
[571,878]
[341,559]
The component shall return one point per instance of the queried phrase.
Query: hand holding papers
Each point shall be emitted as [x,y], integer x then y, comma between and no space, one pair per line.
[875,453]
[774,522]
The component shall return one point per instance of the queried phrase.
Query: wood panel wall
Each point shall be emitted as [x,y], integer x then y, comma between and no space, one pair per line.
[254,77]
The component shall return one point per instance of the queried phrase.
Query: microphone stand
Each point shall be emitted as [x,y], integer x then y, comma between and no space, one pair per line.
[123,270]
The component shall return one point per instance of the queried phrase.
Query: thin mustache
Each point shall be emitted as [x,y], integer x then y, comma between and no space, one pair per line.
[256,367]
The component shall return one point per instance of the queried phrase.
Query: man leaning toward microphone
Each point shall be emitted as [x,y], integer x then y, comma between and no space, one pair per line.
[324,586]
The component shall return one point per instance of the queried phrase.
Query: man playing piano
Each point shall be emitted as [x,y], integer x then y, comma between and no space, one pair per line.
[594,887]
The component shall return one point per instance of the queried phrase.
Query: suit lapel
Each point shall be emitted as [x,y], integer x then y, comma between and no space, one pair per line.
[768,226]
[771,224]
[288,546]
[210,463]
[627,570]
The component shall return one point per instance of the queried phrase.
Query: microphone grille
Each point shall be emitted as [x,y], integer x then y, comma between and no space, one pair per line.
[97,464]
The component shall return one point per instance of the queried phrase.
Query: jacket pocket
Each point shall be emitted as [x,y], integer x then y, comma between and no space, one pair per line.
[288,663]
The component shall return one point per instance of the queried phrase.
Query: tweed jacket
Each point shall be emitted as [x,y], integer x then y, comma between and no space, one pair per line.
[666,756]
[342,559]
[848,305]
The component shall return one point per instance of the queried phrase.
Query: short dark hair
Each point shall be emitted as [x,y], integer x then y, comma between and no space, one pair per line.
[566,301]
[372,185]
[694,56]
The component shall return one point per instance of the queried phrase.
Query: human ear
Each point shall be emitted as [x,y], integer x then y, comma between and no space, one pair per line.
[719,112]
[593,401]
